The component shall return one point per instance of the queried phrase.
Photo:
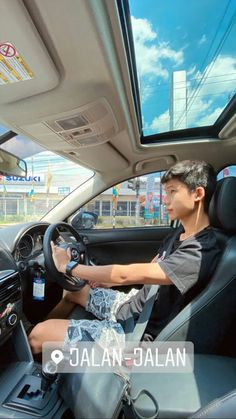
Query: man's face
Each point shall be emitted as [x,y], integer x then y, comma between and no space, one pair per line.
[180,202]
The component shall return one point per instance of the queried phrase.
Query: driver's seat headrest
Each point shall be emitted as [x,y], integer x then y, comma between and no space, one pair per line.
[222,209]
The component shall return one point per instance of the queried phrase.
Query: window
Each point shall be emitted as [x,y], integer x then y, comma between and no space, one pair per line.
[185,65]
[122,208]
[135,202]
[50,178]
[106,208]
[132,209]
[97,207]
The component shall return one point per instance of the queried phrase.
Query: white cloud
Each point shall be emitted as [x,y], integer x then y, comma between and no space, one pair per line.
[218,83]
[219,76]
[210,118]
[160,123]
[142,30]
[202,40]
[197,111]
[150,52]
[205,101]
[191,71]
[146,90]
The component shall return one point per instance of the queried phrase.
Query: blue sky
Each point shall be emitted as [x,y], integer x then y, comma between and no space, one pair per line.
[197,36]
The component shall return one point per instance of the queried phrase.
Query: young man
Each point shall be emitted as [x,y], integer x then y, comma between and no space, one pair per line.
[181,274]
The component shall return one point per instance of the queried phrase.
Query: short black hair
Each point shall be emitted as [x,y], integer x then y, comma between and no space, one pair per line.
[194,173]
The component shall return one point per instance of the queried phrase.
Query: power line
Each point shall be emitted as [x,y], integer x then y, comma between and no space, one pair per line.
[214,37]
[189,81]
[223,94]
[218,49]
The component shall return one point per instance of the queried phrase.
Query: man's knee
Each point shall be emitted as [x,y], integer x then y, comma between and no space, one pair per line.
[68,296]
[49,330]
[36,337]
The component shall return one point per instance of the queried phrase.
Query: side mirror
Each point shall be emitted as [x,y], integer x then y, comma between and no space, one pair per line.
[11,165]
[84,220]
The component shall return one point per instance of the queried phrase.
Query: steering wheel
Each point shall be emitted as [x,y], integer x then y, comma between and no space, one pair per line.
[62,234]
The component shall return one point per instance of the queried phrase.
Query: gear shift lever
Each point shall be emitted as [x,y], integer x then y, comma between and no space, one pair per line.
[49,375]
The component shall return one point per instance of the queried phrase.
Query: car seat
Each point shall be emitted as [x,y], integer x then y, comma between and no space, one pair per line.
[206,320]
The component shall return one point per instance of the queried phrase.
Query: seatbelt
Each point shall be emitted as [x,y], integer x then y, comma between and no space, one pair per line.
[138,331]
[129,407]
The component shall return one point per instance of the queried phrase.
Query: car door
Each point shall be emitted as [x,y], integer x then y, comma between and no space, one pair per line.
[131,222]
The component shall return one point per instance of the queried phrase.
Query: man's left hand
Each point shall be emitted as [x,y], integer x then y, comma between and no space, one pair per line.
[60,257]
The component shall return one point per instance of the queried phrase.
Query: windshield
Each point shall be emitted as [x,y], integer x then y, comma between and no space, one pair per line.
[186,61]
[50,178]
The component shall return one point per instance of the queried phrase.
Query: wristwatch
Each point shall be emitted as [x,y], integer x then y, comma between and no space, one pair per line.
[70,266]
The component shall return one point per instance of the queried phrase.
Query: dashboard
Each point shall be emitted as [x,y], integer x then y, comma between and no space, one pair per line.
[22,260]
[28,246]
[25,241]
[28,243]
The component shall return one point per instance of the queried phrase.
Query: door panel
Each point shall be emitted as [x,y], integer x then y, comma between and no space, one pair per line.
[124,246]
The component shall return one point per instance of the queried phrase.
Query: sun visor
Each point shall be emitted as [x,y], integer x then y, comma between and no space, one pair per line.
[26,68]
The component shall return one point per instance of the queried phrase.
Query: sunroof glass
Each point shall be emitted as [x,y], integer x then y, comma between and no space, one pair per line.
[186,61]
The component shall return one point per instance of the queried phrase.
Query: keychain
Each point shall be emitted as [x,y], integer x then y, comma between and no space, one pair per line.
[38,287]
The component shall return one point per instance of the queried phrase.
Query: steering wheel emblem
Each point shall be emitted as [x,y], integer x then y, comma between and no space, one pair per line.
[78,254]
[74,254]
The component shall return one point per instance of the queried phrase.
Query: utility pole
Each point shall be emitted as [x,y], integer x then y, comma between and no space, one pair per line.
[134,184]
[137,206]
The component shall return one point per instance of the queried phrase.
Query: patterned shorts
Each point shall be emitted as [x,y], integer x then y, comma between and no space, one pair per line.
[104,304]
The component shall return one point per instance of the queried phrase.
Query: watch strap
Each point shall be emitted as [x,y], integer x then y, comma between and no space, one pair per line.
[70,266]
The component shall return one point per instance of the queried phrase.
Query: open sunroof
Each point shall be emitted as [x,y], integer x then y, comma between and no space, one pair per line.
[186,61]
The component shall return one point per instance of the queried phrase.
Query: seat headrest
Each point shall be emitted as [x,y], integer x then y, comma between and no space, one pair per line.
[222,209]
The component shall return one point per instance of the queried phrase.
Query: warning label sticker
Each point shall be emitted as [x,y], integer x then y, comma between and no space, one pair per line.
[13,67]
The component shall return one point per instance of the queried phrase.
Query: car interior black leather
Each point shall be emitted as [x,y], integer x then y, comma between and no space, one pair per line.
[223,407]
[214,309]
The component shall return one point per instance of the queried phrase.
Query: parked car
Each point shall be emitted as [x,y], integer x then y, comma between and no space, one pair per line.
[99,98]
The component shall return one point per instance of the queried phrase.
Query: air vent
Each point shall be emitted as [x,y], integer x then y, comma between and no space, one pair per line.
[89,125]
[9,287]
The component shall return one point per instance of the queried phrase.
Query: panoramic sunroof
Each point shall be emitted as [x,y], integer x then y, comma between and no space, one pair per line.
[186,61]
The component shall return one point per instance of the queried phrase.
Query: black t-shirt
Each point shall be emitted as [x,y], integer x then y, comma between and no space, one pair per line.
[189,266]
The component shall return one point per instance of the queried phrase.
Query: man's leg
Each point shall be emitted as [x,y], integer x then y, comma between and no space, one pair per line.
[49,330]
[74,331]
[103,303]
[68,302]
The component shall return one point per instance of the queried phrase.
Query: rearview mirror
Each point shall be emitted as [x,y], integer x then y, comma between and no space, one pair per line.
[11,165]
[84,220]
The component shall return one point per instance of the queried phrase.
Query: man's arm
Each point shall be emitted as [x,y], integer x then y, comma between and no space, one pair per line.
[136,273]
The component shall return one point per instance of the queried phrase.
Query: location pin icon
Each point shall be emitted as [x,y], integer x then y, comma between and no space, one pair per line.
[57,356]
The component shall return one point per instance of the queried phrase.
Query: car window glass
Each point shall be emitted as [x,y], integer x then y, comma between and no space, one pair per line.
[136,202]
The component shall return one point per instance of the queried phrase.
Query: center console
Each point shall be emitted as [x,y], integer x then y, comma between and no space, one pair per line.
[25,391]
